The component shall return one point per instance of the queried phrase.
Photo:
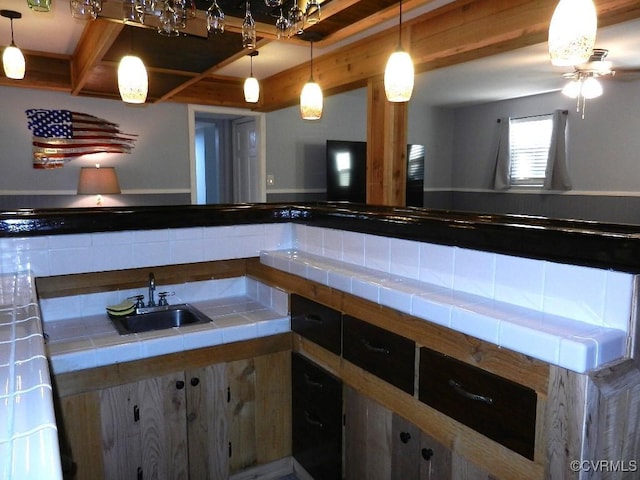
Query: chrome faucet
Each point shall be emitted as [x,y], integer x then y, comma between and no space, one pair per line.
[152,289]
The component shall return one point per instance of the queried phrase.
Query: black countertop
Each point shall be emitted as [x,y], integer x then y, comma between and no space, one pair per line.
[595,244]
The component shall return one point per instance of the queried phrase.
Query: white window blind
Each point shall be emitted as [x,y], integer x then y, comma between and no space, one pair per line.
[529,140]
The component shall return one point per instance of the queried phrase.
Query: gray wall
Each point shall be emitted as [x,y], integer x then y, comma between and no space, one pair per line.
[296,148]
[603,157]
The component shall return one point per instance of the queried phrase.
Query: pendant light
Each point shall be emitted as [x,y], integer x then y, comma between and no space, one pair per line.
[133,82]
[311,97]
[12,58]
[399,73]
[251,85]
[572,32]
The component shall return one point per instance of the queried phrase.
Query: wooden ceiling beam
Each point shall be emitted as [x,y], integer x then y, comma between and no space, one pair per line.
[96,40]
[461,31]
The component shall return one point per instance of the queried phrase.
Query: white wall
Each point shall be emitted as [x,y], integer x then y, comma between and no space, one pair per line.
[158,161]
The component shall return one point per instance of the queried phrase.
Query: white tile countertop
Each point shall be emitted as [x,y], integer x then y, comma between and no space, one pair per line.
[240,309]
[551,335]
[28,431]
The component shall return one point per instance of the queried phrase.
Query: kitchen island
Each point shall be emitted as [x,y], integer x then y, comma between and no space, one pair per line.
[581,278]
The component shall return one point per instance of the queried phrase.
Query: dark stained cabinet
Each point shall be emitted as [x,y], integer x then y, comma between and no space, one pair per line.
[316,419]
[320,324]
[496,407]
[385,354]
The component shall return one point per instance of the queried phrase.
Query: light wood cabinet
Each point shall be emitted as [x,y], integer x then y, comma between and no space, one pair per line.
[204,422]
[382,445]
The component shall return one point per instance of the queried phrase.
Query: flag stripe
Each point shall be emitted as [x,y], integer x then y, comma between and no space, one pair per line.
[61,135]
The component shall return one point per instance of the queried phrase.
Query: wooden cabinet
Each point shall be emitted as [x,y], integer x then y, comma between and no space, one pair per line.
[498,408]
[385,354]
[316,419]
[319,323]
[381,445]
[205,422]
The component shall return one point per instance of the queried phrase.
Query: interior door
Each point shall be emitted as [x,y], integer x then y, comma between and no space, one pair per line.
[246,172]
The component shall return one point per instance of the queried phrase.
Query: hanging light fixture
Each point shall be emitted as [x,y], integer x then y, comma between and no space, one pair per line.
[311,97]
[133,82]
[572,32]
[399,73]
[251,85]
[12,58]
[584,84]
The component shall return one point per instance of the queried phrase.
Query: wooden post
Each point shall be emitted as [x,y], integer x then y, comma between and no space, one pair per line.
[386,148]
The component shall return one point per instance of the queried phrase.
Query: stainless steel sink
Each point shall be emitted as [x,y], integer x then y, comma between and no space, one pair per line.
[160,318]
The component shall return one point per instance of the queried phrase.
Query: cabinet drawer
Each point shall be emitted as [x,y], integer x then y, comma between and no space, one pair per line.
[320,324]
[498,408]
[385,354]
[316,419]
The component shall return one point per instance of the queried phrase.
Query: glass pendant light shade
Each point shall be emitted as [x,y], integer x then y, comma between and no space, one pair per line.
[251,90]
[399,77]
[572,89]
[591,88]
[133,82]
[311,101]
[13,62]
[572,32]
[12,58]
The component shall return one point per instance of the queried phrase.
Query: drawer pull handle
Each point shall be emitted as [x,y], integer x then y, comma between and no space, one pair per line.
[312,383]
[310,317]
[373,348]
[311,420]
[471,396]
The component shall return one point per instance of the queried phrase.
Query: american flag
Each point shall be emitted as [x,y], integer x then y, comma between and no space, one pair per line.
[62,135]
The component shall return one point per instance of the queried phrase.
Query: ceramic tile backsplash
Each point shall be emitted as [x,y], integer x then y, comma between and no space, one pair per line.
[65,254]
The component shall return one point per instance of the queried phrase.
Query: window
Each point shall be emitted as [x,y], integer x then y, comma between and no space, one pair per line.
[529,141]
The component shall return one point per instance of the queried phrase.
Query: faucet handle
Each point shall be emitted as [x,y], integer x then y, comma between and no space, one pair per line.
[139,299]
[162,298]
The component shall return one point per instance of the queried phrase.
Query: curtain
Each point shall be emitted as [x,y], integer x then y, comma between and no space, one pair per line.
[501,173]
[557,174]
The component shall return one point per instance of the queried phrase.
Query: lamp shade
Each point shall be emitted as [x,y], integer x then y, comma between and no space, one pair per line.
[98,181]
[133,82]
[311,101]
[572,32]
[399,77]
[13,62]
[251,90]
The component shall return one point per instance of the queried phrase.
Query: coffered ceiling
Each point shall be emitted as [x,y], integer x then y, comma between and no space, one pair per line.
[353,40]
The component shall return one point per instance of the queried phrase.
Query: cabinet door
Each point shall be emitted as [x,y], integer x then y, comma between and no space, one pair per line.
[207,423]
[317,419]
[259,410]
[144,430]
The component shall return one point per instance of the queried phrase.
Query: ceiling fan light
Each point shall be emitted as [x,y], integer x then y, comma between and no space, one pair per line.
[13,62]
[591,88]
[572,89]
[133,82]
[251,90]
[311,101]
[572,32]
[399,77]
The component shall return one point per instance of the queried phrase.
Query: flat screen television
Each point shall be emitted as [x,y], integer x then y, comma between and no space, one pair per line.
[346,171]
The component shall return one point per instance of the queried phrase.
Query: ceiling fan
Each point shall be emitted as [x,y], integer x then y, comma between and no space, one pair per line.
[583,81]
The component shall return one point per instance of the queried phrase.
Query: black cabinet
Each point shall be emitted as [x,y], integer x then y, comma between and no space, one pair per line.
[320,324]
[316,419]
[385,354]
[494,406]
